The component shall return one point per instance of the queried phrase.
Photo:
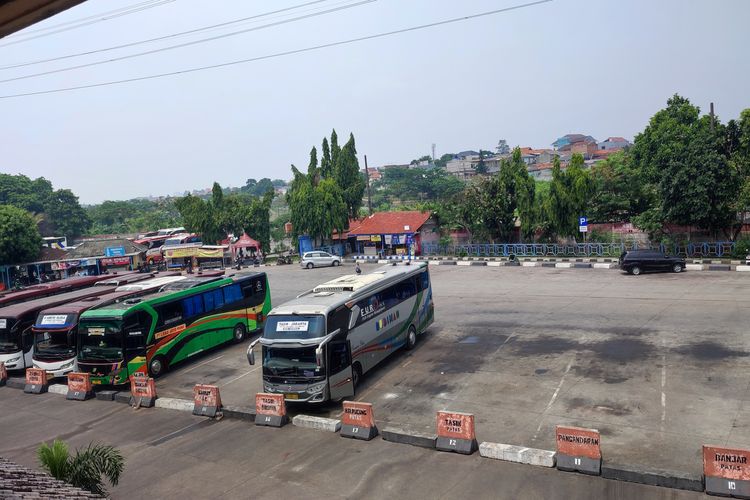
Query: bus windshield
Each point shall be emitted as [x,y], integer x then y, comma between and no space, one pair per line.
[54,344]
[291,362]
[294,326]
[8,341]
[100,341]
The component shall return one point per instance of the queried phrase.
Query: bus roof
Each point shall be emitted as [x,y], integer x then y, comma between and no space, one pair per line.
[52,287]
[334,293]
[119,309]
[33,306]
[157,282]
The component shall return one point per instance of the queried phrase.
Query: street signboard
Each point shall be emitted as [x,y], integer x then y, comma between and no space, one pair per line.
[583,224]
[114,252]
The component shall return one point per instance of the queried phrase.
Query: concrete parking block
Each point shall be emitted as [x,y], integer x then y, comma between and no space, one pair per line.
[719,267]
[564,265]
[528,263]
[695,267]
[582,265]
[464,263]
[174,404]
[743,268]
[396,435]
[518,454]
[58,389]
[317,423]
[497,263]
[478,263]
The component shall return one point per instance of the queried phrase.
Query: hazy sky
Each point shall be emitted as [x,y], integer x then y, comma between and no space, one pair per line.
[599,67]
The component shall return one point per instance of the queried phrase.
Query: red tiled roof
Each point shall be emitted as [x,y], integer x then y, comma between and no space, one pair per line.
[615,139]
[526,151]
[391,223]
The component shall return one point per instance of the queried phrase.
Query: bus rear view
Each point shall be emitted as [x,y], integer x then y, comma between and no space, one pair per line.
[316,347]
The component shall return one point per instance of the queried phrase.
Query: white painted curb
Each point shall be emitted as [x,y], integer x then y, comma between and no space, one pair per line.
[463,263]
[565,265]
[604,265]
[494,263]
[743,268]
[695,267]
[518,454]
[318,423]
[530,264]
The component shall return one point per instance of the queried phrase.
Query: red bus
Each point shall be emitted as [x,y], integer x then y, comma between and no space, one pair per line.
[55,287]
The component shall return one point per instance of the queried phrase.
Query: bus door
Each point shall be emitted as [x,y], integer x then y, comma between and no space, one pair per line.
[340,381]
[136,328]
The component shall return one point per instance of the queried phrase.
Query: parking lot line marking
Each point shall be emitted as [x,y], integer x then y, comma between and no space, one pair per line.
[237,378]
[552,400]
[663,386]
[203,363]
[406,364]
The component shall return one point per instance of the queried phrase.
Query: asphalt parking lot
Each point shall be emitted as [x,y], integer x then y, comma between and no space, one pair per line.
[174,455]
[658,363]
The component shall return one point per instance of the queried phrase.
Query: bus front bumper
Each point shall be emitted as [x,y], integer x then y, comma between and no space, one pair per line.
[315,392]
[13,361]
[58,368]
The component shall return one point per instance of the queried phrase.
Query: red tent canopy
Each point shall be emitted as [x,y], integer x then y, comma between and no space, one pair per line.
[244,241]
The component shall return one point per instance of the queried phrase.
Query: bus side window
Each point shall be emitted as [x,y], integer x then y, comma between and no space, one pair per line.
[232,293]
[171,312]
[423,281]
[339,319]
[405,290]
[218,298]
[208,300]
[192,306]
[389,297]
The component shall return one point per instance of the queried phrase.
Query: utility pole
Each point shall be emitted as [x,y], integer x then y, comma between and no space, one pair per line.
[713,117]
[369,195]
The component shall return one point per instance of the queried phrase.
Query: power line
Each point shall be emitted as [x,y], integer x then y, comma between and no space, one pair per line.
[87,18]
[187,44]
[157,3]
[281,54]
[165,37]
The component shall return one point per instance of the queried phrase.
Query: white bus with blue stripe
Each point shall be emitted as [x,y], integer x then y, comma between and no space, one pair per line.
[317,346]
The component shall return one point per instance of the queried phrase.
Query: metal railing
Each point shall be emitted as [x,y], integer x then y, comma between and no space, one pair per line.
[717,249]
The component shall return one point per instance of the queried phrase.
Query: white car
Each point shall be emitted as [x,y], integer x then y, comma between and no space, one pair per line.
[319,259]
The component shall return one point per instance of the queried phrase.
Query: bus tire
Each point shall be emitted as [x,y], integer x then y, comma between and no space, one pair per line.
[411,338]
[356,375]
[239,332]
[157,366]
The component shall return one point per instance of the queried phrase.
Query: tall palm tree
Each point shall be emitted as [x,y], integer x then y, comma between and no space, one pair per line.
[86,468]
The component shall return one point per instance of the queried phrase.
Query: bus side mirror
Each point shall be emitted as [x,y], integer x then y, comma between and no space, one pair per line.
[250,356]
[319,357]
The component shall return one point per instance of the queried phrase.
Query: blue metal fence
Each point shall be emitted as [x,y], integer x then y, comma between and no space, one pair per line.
[717,249]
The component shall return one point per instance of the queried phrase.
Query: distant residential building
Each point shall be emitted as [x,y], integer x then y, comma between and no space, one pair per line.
[614,144]
[464,166]
[466,154]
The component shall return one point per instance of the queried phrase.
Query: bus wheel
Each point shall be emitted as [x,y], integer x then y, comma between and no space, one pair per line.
[239,333]
[356,375]
[157,366]
[411,338]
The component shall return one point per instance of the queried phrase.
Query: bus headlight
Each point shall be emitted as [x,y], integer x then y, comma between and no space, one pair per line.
[316,387]
[67,365]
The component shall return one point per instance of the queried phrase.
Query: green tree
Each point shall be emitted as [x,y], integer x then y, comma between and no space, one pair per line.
[335,151]
[620,191]
[317,207]
[66,215]
[442,162]
[19,238]
[87,469]
[349,178]
[519,187]
[326,164]
[684,157]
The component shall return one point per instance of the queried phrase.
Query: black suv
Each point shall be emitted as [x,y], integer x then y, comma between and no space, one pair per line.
[638,261]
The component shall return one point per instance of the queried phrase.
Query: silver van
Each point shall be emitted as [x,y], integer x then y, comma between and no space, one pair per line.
[319,259]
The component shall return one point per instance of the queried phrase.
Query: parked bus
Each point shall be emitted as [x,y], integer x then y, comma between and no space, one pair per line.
[54,288]
[16,336]
[150,334]
[317,346]
[55,328]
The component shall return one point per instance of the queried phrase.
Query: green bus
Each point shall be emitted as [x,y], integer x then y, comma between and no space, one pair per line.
[149,334]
